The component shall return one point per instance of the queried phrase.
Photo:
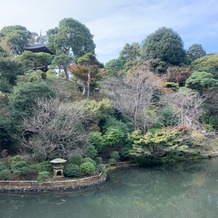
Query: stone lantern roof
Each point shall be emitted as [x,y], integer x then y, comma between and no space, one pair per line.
[58,161]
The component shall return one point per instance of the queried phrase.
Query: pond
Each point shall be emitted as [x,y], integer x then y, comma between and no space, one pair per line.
[188,189]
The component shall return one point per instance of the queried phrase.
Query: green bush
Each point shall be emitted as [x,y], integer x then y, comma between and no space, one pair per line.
[4,87]
[98,160]
[91,150]
[115,155]
[23,99]
[43,175]
[16,158]
[72,170]
[171,85]
[44,166]
[2,166]
[88,159]
[201,81]
[96,139]
[115,132]
[112,161]
[87,168]
[101,168]
[4,174]
[77,160]
[20,167]
[158,66]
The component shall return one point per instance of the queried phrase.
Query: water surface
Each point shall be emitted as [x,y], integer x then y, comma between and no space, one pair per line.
[186,190]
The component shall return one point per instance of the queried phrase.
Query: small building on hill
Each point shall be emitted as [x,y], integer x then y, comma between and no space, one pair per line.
[39,48]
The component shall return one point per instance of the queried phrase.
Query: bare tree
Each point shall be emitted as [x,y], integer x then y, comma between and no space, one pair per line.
[187,105]
[56,129]
[133,97]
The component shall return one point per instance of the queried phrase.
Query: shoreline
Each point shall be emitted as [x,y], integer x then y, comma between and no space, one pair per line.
[56,185]
[68,184]
[60,184]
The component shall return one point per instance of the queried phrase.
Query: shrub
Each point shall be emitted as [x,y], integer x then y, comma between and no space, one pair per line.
[87,168]
[96,139]
[4,87]
[23,99]
[71,170]
[101,168]
[16,158]
[43,175]
[158,66]
[115,155]
[98,160]
[155,142]
[77,160]
[2,166]
[115,132]
[20,167]
[4,174]
[44,166]
[171,85]
[91,150]
[197,137]
[112,161]
[88,159]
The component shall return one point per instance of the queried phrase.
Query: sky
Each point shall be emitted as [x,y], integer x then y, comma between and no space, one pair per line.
[117,22]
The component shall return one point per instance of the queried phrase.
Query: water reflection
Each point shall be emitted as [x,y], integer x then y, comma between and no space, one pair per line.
[176,190]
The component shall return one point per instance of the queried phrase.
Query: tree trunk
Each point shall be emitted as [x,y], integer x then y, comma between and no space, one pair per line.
[66,73]
[84,89]
[88,84]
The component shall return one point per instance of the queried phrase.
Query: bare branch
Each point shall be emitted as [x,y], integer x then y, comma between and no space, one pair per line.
[56,129]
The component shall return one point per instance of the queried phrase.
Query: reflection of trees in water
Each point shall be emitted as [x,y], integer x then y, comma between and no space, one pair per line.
[176,190]
[166,192]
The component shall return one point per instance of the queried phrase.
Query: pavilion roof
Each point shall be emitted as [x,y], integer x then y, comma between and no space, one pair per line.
[38,48]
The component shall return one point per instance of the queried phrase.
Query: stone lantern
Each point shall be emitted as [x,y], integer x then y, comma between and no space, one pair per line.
[58,165]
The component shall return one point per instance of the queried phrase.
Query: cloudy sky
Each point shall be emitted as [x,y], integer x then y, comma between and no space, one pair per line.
[117,22]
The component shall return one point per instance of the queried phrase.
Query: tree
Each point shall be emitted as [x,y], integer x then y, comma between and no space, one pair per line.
[62,61]
[207,63]
[195,51]
[31,60]
[9,70]
[3,53]
[130,52]
[89,59]
[71,37]
[114,66]
[87,71]
[134,97]
[186,105]
[164,44]
[16,37]
[201,82]
[38,39]
[23,99]
[155,143]
[57,129]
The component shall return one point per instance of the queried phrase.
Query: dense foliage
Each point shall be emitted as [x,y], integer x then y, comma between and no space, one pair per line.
[16,37]
[71,37]
[195,51]
[155,102]
[166,45]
